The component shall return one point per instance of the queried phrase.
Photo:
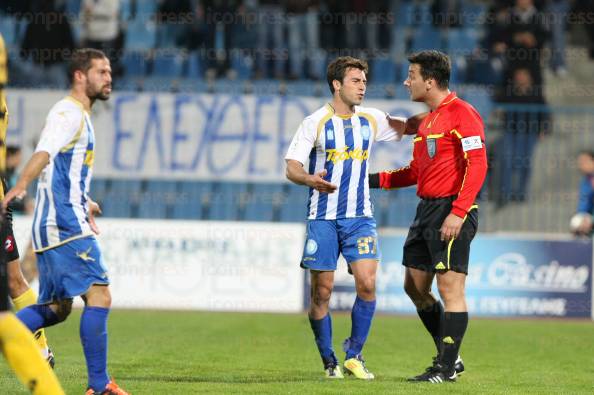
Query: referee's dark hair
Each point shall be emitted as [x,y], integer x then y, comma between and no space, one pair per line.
[434,64]
[338,67]
[588,152]
[81,60]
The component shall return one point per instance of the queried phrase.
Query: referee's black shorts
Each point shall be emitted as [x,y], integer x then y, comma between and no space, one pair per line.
[424,250]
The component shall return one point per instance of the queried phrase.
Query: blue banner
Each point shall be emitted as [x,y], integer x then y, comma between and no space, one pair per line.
[508,276]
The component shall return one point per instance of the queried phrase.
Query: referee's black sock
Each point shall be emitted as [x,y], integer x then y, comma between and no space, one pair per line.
[432,318]
[454,327]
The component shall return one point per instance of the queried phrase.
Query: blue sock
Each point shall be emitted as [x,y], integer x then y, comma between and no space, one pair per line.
[322,330]
[361,317]
[37,316]
[93,336]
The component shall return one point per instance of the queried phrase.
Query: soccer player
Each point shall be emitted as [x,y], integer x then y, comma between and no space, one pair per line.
[337,140]
[449,166]
[68,256]
[21,293]
[16,342]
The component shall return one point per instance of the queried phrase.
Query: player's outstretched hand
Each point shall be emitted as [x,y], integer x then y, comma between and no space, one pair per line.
[16,192]
[450,229]
[317,182]
[94,209]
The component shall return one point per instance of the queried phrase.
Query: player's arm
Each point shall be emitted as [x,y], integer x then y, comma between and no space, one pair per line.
[297,174]
[299,149]
[32,170]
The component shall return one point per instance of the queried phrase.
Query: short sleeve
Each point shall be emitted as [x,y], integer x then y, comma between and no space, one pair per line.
[470,124]
[383,130]
[61,129]
[302,143]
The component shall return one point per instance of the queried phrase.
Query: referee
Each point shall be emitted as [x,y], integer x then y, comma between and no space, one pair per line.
[449,166]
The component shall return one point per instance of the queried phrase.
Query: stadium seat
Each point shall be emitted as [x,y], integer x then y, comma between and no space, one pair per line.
[383,70]
[426,37]
[73,8]
[228,201]
[480,98]
[294,203]
[168,65]
[461,42]
[158,199]
[98,190]
[263,201]
[122,198]
[193,67]
[242,64]
[140,34]
[134,63]
[401,207]
[194,200]
[380,200]
[8,30]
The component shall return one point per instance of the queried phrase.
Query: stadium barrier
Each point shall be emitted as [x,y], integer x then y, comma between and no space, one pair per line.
[208,265]
[246,266]
[513,275]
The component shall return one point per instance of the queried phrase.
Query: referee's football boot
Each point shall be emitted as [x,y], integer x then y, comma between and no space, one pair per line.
[356,367]
[436,374]
[458,368]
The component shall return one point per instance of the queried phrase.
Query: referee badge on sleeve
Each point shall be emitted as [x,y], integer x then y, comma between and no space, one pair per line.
[431,147]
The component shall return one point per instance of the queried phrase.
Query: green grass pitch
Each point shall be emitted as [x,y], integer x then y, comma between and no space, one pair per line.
[156,352]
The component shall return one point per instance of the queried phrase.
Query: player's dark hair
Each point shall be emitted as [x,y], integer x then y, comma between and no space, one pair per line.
[339,66]
[434,64]
[81,60]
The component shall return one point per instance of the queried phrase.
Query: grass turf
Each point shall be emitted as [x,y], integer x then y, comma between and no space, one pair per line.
[156,352]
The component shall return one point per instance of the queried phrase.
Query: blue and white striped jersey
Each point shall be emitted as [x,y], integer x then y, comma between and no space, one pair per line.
[61,203]
[341,145]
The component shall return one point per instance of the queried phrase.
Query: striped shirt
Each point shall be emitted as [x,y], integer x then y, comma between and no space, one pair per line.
[342,146]
[62,189]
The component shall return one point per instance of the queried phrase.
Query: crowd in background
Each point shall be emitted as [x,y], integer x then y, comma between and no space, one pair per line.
[292,40]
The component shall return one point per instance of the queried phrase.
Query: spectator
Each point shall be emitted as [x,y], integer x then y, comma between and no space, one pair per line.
[172,18]
[446,13]
[101,28]
[581,223]
[271,31]
[47,44]
[524,125]
[304,37]
[557,24]
[220,20]
[525,36]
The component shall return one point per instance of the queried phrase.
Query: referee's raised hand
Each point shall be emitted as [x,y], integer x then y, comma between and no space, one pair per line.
[317,182]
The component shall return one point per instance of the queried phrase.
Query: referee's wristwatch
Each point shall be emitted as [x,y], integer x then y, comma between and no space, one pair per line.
[374,180]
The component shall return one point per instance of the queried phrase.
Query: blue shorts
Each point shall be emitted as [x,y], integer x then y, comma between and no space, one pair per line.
[354,238]
[70,270]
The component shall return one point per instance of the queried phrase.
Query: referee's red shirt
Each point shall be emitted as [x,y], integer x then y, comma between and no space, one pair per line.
[449,156]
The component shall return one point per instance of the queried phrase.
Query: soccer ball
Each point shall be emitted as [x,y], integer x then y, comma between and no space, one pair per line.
[577,220]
